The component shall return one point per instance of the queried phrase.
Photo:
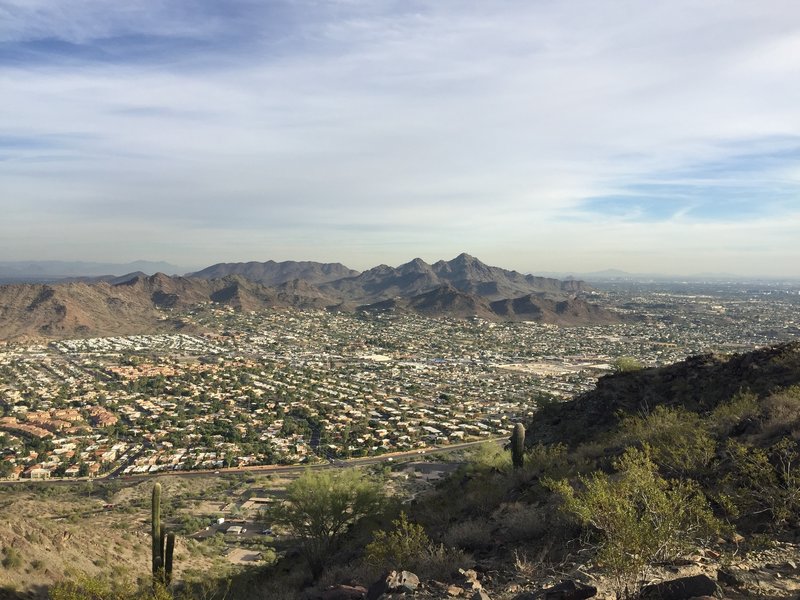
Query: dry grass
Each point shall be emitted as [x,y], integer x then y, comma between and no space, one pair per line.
[57,531]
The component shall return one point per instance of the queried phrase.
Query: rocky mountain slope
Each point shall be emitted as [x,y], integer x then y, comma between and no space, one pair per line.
[275,273]
[141,304]
[448,300]
[699,383]
[138,303]
[464,273]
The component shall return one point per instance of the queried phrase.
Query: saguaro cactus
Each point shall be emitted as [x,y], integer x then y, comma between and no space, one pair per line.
[163,545]
[170,548]
[518,445]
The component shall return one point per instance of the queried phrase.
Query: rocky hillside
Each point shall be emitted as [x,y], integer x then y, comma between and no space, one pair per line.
[700,384]
[138,303]
[273,273]
[464,273]
[450,301]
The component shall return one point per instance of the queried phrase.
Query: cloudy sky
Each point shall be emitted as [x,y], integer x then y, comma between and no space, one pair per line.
[537,135]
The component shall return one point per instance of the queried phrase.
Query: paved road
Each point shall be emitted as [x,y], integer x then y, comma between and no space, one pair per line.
[277,469]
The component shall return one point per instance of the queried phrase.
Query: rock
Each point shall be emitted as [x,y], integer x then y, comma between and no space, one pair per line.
[343,592]
[454,590]
[471,579]
[403,582]
[730,577]
[568,590]
[682,588]
[480,595]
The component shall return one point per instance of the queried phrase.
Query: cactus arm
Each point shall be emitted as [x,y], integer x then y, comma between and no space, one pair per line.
[169,550]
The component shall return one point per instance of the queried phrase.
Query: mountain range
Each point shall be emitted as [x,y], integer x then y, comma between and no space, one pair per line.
[140,303]
[49,271]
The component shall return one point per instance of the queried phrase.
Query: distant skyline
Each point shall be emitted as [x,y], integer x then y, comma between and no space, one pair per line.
[535,135]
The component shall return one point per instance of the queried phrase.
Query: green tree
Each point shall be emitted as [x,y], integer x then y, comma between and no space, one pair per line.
[321,505]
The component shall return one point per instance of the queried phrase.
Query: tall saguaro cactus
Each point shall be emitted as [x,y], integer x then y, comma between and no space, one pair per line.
[518,446]
[163,545]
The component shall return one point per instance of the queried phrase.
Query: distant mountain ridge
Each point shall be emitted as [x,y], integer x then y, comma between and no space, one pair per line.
[276,273]
[465,273]
[46,271]
[450,301]
[141,303]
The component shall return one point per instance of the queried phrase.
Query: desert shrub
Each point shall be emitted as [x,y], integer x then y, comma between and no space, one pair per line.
[763,480]
[83,587]
[473,534]
[548,460]
[522,522]
[404,547]
[679,440]
[490,456]
[11,558]
[441,562]
[727,415]
[626,364]
[637,517]
[782,411]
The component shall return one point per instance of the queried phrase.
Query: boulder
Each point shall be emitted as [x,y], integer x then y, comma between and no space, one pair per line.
[682,588]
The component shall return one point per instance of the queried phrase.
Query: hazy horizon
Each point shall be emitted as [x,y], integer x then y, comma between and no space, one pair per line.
[537,136]
[187,269]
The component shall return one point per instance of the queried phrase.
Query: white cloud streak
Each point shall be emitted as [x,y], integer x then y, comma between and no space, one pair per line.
[370,133]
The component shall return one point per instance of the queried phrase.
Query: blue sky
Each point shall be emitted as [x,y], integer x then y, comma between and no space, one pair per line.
[537,135]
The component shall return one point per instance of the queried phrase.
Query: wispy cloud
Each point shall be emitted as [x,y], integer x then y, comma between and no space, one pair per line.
[242,127]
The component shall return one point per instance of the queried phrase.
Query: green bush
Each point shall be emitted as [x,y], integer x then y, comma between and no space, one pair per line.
[679,440]
[727,415]
[626,364]
[637,517]
[763,480]
[83,587]
[11,558]
[404,547]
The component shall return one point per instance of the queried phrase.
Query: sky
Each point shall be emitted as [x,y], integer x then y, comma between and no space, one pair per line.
[536,135]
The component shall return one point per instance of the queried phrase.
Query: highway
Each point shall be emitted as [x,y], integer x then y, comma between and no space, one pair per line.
[265,469]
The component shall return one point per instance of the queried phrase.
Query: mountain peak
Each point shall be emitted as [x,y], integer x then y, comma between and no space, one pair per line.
[465,258]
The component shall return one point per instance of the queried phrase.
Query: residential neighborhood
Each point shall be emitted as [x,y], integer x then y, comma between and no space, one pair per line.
[299,387]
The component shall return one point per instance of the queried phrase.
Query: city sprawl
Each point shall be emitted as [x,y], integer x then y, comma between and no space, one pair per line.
[286,387]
